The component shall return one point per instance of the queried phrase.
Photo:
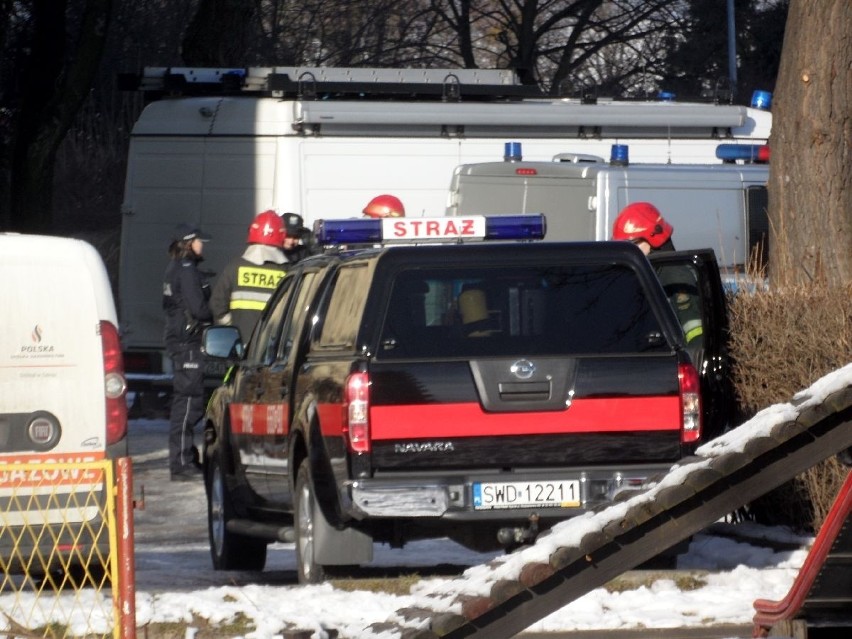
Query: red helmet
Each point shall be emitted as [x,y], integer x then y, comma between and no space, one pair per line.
[267,228]
[385,206]
[642,221]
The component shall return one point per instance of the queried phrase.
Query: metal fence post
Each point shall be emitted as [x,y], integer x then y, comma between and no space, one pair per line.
[125,550]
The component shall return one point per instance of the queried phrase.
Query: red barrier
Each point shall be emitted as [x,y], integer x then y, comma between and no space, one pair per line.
[770,612]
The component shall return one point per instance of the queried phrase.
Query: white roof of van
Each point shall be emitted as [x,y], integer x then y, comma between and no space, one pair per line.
[17,247]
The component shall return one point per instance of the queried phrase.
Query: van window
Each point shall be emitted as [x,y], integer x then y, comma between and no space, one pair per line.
[545,310]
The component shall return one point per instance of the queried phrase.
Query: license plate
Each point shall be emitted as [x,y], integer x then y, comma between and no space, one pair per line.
[526,494]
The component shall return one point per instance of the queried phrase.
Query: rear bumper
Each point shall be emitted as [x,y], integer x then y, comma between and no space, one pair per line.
[452,496]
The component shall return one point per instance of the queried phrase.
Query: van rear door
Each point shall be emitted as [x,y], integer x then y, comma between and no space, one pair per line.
[57,320]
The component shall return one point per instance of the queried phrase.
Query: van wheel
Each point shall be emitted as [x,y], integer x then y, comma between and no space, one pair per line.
[310,572]
[229,551]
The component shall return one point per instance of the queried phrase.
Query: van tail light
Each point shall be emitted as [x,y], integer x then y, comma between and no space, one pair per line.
[115,384]
[690,403]
[356,409]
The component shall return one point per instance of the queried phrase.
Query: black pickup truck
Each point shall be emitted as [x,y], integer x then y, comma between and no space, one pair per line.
[481,392]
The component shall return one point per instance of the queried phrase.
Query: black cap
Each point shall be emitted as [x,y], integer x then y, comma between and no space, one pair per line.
[293,224]
[185,232]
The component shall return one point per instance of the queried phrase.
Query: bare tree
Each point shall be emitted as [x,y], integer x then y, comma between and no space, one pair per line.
[54,79]
[810,185]
[697,56]
[557,42]
[220,34]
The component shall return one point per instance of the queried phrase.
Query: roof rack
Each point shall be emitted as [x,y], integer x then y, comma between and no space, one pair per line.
[316,82]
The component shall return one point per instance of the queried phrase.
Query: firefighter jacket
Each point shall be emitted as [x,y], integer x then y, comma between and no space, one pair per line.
[185,295]
[243,288]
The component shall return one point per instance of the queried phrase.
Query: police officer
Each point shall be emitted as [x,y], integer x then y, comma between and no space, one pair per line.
[384,206]
[300,242]
[243,288]
[185,296]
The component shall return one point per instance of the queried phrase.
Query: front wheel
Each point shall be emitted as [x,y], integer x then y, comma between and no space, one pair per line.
[228,550]
[310,572]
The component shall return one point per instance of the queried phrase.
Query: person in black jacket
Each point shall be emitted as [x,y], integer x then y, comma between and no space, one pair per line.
[300,242]
[185,296]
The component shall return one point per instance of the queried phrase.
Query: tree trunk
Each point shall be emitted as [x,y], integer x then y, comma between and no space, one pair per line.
[810,184]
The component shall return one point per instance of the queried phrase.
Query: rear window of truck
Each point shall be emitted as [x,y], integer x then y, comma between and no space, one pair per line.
[577,309]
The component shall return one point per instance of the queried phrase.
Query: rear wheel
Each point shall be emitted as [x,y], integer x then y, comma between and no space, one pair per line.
[229,551]
[310,572]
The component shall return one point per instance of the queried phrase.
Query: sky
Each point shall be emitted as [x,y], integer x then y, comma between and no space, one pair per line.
[175,581]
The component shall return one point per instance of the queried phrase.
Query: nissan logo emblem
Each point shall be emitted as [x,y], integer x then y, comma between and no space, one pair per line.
[522,369]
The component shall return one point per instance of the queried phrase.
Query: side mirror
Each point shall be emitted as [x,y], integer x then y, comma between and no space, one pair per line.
[222,342]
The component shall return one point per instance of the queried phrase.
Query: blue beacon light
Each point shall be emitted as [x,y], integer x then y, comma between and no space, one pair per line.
[761,100]
[619,155]
[512,152]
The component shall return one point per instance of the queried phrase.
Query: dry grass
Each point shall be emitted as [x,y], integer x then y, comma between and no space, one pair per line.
[782,341]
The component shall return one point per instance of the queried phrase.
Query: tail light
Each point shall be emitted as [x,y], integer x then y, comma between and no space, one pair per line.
[115,384]
[690,403]
[357,413]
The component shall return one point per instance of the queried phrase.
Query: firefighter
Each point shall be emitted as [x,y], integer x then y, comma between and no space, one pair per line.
[243,288]
[384,206]
[644,225]
[185,303]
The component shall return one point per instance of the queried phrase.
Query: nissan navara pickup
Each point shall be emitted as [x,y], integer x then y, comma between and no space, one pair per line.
[479,391]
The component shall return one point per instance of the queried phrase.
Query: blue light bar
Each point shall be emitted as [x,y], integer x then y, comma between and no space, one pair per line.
[352,231]
[743,152]
[433,229]
[515,227]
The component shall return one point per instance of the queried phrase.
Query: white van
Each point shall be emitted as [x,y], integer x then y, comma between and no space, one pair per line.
[722,206]
[62,389]
[220,145]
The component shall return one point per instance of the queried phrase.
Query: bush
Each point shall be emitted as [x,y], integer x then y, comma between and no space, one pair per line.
[782,341]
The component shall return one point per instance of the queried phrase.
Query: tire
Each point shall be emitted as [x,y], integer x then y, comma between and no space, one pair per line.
[309,571]
[229,551]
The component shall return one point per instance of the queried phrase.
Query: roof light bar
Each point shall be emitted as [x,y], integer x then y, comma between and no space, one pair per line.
[430,229]
[515,227]
[353,231]
[744,152]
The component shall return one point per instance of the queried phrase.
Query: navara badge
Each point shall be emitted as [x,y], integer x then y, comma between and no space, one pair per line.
[522,369]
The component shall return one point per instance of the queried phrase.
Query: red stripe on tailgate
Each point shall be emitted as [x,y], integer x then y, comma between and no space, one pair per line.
[469,420]
[259,419]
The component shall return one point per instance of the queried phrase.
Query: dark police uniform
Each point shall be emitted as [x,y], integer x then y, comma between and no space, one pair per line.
[185,295]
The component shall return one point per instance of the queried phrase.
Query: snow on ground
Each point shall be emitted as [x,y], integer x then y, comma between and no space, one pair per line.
[737,574]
